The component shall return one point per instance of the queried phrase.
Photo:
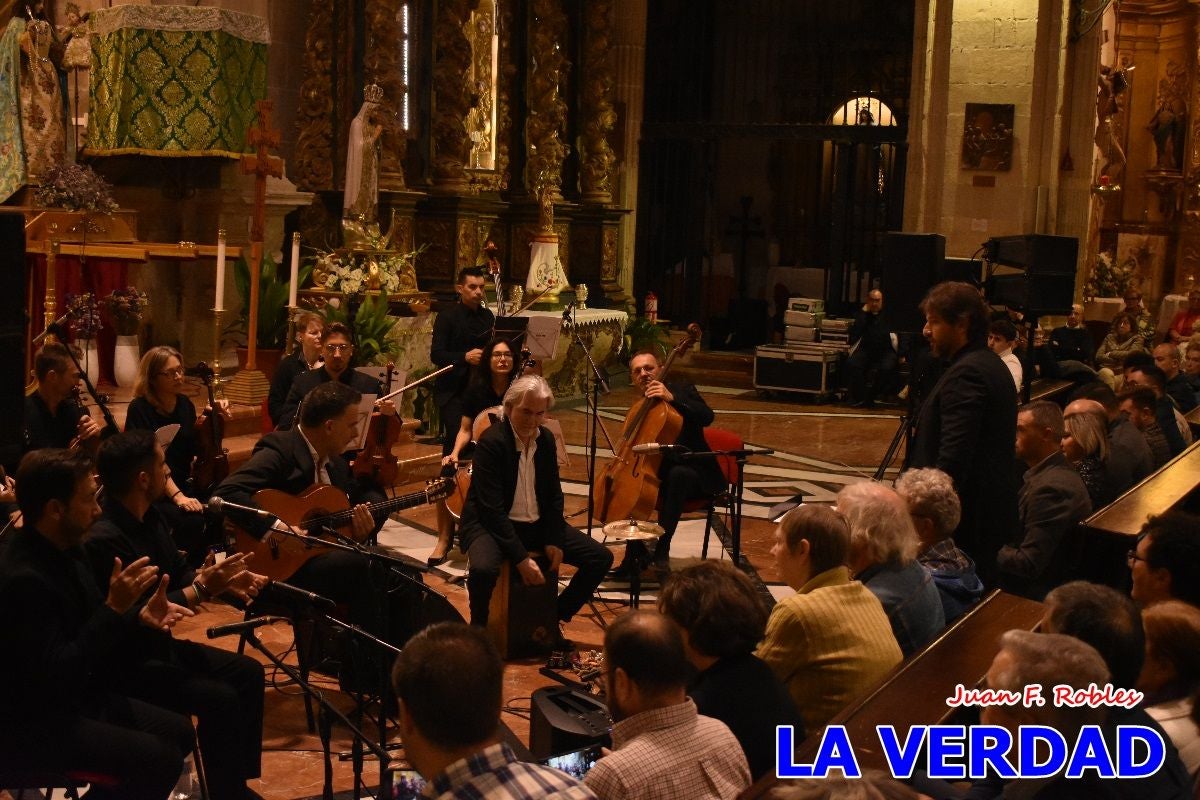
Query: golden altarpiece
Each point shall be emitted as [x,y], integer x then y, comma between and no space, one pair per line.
[485,102]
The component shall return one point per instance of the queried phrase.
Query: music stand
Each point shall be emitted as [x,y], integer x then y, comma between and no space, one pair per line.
[739,456]
[510,329]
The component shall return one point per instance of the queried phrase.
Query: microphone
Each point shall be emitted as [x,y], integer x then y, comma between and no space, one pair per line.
[296,593]
[54,327]
[655,447]
[567,311]
[218,505]
[217,631]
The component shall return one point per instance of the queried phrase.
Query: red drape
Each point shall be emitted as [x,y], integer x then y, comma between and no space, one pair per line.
[101,276]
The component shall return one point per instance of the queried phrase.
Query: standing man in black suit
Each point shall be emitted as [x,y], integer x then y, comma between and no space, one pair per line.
[966,427]
[459,334]
[337,348]
[516,505]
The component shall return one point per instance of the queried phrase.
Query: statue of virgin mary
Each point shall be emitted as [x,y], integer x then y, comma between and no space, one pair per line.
[361,199]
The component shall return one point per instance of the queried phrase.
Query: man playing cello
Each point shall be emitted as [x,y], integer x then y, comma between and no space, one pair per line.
[681,479]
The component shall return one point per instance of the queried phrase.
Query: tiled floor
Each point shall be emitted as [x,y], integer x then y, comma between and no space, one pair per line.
[818,449]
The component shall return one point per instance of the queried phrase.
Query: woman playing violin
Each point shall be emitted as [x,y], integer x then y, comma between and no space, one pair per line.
[486,385]
[159,400]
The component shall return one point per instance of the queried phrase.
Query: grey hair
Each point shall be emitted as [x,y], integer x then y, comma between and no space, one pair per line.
[930,493]
[1046,415]
[1050,659]
[527,384]
[1090,433]
[880,526]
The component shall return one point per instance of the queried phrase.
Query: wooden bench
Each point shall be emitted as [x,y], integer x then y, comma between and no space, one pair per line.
[1108,534]
[1049,389]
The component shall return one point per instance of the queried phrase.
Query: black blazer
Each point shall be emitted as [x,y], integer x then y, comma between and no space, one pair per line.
[494,485]
[456,330]
[967,427]
[696,417]
[305,382]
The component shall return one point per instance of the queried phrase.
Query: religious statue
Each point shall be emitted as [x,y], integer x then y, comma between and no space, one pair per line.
[1167,128]
[361,199]
[1110,85]
[42,132]
[545,207]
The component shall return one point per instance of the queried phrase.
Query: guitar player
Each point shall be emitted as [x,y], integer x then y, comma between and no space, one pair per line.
[292,461]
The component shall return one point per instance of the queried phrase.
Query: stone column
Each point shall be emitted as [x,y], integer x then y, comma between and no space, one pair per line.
[382,66]
[629,49]
[451,101]
[598,117]
[548,68]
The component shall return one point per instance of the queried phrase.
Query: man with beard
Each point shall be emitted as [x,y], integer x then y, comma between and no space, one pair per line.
[966,427]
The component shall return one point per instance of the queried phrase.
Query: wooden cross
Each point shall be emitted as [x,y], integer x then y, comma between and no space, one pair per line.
[261,165]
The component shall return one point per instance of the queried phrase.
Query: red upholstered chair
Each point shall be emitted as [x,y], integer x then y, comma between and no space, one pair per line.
[718,439]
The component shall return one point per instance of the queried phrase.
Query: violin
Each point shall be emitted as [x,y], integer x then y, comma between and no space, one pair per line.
[629,487]
[212,459]
[376,460]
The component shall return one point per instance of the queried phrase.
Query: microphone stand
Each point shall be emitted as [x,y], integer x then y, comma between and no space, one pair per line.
[740,457]
[326,713]
[597,382]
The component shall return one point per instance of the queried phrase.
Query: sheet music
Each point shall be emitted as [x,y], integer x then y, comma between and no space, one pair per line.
[365,407]
[166,434]
[542,338]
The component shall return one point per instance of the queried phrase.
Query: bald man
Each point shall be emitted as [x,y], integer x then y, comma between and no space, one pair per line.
[1166,358]
[1073,342]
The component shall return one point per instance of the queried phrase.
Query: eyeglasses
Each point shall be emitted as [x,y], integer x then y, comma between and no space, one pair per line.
[339,348]
[502,355]
[1132,557]
[172,373]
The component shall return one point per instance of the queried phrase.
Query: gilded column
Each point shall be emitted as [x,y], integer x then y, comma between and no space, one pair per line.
[547,109]
[382,66]
[629,47]
[451,98]
[313,159]
[598,116]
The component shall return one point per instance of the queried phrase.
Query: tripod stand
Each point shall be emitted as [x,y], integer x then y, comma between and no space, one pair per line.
[903,434]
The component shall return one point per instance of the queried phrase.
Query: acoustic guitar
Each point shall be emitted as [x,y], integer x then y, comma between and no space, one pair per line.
[320,510]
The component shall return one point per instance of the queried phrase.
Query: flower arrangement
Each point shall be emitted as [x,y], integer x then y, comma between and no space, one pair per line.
[75,187]
[387,272]
[127,307]
[1108,278]
[85,315]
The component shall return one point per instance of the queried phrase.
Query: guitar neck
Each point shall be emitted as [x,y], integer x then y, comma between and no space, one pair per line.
[344,518]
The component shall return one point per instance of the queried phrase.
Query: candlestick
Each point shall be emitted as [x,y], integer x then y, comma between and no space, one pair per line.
[294,285]
[216,360]
[219,299]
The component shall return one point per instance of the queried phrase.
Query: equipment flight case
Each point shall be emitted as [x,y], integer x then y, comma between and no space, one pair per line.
[798,367]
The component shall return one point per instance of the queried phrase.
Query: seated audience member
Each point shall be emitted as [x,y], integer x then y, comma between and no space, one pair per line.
[1184,321]
[1052,659]
[1191,366]
[662,747]
[53,417]
[449,683]
[61,712]
[515,505]
[1073,341]
[871,349]
[1002,338]
[1085,445]
[1140,407]
[1136,309]
[1174,426]
[309,329]
[1165,565]
[1171,675]
[1103,618]
[1177,387]
[223,689]
[1052,501]
[722,618]
[1122,339]
[883,555]
[831,641]
[873,785]
[934,509]
[1129,456]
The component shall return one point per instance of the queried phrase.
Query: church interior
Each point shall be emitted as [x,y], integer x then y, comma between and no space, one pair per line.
[726,184]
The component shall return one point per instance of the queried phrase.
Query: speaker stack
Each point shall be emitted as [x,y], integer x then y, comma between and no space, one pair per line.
[1047,283]
[13,322]
[913,263]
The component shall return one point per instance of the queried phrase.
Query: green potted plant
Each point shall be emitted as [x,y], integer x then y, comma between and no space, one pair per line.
[643,334]
[272,311]
[371,325]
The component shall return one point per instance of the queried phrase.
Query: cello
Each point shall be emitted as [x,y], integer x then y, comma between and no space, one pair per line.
[376,461]
[628,488]
[212,459]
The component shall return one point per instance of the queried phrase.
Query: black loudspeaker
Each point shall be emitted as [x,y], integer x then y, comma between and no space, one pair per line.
[562,719]
[912,264]
[13,323]
[1035,252]
[1048,283]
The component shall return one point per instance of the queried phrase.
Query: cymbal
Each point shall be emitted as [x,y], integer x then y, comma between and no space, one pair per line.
[630,530]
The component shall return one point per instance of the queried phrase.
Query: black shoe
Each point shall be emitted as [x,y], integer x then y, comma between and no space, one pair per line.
[434,561]
[621,572]
[560,643]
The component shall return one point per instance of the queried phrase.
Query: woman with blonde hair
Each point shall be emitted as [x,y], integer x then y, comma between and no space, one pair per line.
[1085,445]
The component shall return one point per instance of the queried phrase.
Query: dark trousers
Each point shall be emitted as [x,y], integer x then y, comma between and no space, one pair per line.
[137,747]
[858,367]
[225,692]
[452,413]
[681,482]
[590,559]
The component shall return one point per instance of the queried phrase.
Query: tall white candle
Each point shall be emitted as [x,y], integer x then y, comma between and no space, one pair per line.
[295,281]
[219,300]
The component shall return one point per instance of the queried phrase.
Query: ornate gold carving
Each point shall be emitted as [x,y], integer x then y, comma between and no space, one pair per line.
[452,60]
[467,246]
[598,117]
[481,85]
[312,167]
[608,254]
[434,261]
[547,110]
[382,66]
